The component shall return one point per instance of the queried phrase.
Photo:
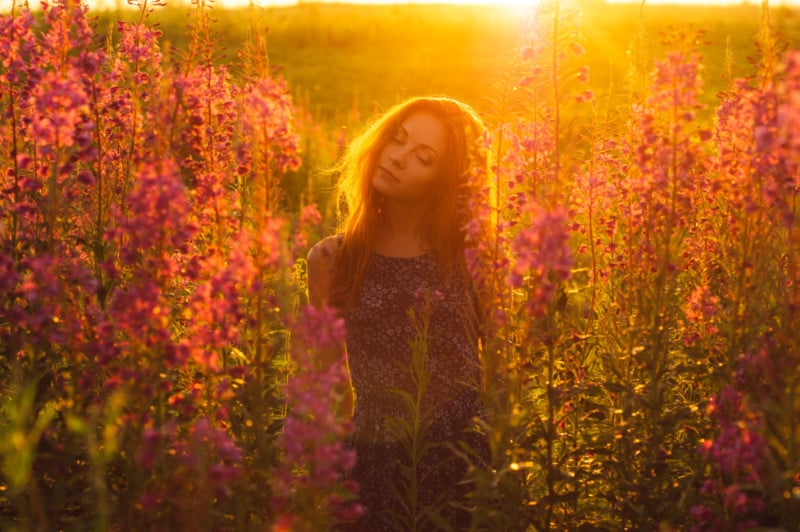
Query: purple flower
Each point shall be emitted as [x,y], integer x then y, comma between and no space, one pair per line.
[313,433]
[60,110]
[543,256]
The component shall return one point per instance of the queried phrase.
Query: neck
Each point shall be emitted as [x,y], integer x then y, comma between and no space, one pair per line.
[403,229]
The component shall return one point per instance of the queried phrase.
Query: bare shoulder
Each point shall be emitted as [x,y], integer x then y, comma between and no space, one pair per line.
[320,262]
[322,255]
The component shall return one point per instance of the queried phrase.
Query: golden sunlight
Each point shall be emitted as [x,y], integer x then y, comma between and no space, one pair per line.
[5,5]
[499,3]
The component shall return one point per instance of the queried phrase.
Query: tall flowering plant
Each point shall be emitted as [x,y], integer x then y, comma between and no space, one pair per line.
[309,493]
[637,273]
[143,253]
[750,465]
[530,385]
[658,203]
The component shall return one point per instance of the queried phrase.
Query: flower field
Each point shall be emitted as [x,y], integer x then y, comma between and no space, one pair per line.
[157,357]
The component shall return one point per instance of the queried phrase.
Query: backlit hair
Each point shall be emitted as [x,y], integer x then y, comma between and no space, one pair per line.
[464,154]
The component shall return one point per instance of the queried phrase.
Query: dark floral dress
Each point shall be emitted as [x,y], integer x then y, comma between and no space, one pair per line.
[406,302]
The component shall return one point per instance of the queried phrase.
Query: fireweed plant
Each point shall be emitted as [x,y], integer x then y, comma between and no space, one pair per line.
[642,282]
[148,296]
[158,371]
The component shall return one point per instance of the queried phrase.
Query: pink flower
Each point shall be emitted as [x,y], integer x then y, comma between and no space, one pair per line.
[313,433]
[157,225]
[701,308]
[60,111]
[310,215]
[271,255]
[320,328]
[267,115]
[307,229]
[215,310]
[543,257]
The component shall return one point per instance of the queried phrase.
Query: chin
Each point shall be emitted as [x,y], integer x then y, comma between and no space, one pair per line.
[379,185]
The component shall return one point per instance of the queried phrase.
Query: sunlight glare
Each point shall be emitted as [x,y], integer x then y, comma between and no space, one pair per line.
[5,5]
[514,4]
[518,6]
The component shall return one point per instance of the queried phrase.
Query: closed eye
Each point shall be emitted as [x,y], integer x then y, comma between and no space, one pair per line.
[400,136]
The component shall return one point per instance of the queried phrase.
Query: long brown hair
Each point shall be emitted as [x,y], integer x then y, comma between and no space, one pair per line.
[464,155]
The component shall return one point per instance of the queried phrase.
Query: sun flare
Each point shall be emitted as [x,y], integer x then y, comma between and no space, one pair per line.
[5,5]
[517,5]
[513,4]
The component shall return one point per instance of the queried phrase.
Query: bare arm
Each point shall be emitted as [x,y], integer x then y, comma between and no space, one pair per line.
[320,262]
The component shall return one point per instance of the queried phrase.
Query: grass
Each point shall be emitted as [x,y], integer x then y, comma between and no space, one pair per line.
[342,60]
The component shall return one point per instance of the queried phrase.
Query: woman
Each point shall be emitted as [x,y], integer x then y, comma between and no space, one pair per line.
[397,273]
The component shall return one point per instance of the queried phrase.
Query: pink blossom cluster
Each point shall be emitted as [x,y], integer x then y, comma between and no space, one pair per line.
[667,155]
[214,312]
[701,310]
[738,453]
[777,139]
[313,437]
[757,138]
[205,457]
[268,145]
[788,114]
[307,230]
[754,177]
[542,257]
[139,219]
[485,240]
[595,206]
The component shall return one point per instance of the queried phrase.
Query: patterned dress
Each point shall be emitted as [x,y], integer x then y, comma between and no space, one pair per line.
[398,298]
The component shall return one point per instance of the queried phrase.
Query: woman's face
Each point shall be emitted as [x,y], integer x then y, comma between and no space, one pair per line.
[411,162]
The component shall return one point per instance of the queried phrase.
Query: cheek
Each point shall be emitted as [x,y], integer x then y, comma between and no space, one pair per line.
[426,185]
[428,177]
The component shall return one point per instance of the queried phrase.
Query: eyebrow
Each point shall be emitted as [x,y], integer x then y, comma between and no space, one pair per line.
[402,129]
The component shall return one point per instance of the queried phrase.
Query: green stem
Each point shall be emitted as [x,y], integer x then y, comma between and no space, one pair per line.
[552,468]
[556,100]
[14,151]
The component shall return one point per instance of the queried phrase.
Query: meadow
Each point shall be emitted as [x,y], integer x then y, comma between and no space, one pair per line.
[162,183]
[344,63]
[341,59]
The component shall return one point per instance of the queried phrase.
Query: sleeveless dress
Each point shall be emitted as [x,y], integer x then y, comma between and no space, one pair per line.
[405,302]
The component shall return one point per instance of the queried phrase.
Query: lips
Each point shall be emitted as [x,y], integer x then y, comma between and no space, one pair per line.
[388,174]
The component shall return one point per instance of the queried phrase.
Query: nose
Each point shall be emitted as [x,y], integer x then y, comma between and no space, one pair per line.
[397,157]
